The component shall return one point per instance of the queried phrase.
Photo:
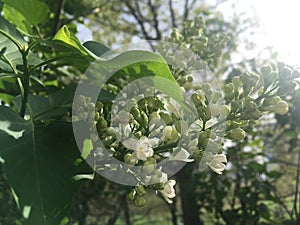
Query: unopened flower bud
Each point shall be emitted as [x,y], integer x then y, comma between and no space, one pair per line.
[235,105]
[97,116]
[101,123]
[140,201]
[281,107]
[99,106]
[236,134]
[266,70]
[131,195]
[229,88]
[224,111]
[166,117]
[237,83]
[140,190]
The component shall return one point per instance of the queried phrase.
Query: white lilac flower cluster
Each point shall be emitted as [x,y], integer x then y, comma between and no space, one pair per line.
[149,135]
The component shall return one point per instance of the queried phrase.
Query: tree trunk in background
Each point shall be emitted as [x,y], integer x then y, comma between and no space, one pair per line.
[189,205]
[173,211]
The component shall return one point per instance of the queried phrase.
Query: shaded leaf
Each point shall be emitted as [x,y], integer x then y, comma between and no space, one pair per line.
[34,11]
[39,167]
[96,48]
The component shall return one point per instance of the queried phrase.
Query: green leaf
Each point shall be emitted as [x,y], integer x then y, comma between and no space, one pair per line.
[67,38]
[34,11]
[38,164]
[12,52]
[96,48]
[11,87]
[16,18]
[54,107]
[145,64]
[86,148]
[12,56]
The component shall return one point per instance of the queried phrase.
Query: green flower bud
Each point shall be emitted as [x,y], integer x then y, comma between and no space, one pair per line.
[216,96]
[224,111]
[197,155]
[207,113]
[97,116]
[138,134]
[281,107]
[149,166]
[266,70]
[206,87]
[166,117]
[140,190]
[99,106]
[25,47]
[108,140]
[236,134]
[140,201]
[235,104]
[82,100]
[91,106]
[110,131]
[154,115]
[199,22]
[250,107]
[153,104]
[271,101]
[91,116]
[237,83]
[136,113]
[197,99]
[154,179]
[101,123]
[128,160]
[160,186]
[131,195]
[190,79]
[144,120]
[188,86]
[157,173]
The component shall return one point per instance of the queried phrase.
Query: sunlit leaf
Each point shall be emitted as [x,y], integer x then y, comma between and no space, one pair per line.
[34,11]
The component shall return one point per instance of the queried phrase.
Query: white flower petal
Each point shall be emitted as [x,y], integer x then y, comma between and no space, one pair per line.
[217,163]
[182,155]
[130,143]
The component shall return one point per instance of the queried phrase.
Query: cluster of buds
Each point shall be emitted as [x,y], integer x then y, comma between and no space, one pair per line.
[161,185]
[192,36]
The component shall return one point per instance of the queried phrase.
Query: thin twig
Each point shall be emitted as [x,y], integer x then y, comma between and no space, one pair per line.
[186,10]
[173,19]
[57,21]
[93,10]
[155,19]
[138,20]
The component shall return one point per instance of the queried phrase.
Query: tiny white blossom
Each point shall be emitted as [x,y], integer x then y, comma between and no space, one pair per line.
[218,163]
[122,117]
[142,148]
[169,191]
